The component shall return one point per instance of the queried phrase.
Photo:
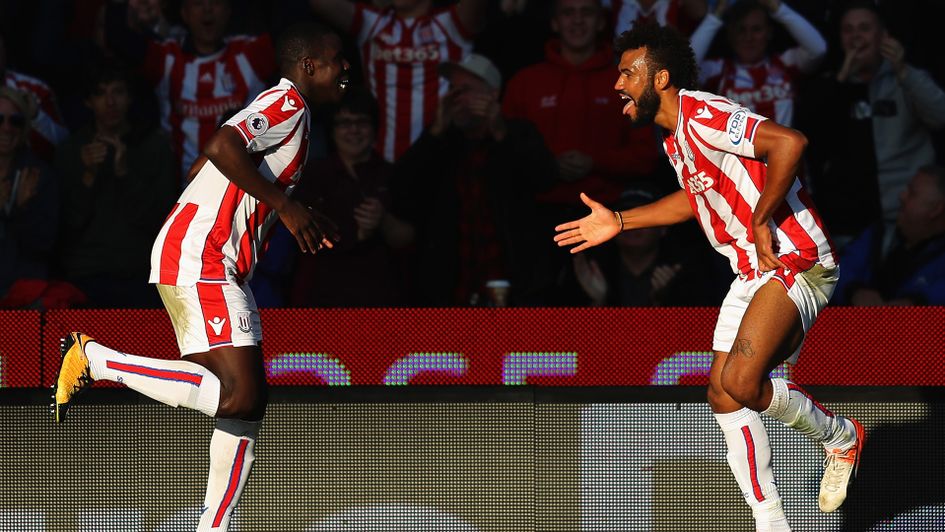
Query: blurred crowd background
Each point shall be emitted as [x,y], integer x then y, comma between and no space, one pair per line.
[467,134]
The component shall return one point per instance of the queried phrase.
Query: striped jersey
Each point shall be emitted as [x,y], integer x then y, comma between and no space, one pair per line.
[216,230]
[194,92]
[48,129]
[767,87]
[400,59]
[713,153]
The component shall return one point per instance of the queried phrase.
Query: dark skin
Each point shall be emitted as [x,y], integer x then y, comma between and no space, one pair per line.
[243,388]
[771,329]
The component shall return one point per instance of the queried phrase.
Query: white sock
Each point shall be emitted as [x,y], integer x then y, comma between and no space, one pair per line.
[231,458]
[793,406]
[769,517]
[172,382]
[749,457]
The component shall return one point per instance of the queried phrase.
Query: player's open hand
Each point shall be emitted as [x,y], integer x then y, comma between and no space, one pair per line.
[596,228]
[311,229]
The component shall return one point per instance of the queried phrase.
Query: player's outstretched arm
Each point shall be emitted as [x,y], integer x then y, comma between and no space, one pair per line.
[668,210]
[602,224]
[227,151]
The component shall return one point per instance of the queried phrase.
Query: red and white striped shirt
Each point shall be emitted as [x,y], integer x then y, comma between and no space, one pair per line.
[767,87]
[713,152]
[195,92]
[216,230]
[400,59]
[48,129]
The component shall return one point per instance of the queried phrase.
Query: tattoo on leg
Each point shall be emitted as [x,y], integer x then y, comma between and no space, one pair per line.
[743,347]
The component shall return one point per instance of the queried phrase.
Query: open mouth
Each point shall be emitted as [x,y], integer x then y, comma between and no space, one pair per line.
[630,103]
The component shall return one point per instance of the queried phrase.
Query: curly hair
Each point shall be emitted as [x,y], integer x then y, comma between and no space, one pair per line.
[666,49]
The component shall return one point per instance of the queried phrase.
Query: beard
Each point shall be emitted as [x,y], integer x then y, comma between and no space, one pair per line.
[647,107]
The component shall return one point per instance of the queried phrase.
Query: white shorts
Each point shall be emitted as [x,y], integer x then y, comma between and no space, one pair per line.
[208,316]
[809,290]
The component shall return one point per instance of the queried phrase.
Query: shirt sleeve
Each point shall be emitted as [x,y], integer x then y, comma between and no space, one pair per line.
[269,120]
[723,125]
[812,46]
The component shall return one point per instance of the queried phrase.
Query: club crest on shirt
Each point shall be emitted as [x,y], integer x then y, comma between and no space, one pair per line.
[243,322]
[736,126]
[257,124]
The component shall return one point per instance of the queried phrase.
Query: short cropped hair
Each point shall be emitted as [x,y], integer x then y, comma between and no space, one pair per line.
[666,49]
[302,39]
[741,9]
[867,5]
[105,72]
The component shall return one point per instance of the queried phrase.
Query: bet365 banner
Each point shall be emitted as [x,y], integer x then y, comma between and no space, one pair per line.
[539,346]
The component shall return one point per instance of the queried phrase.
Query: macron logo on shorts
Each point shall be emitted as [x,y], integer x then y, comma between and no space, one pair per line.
[216,324]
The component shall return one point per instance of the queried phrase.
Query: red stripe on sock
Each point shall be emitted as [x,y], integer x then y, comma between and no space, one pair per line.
[752,466]
[233,484]
[169,375]
[793,387]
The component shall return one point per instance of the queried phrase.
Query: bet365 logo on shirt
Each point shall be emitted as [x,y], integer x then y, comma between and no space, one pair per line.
[699,183]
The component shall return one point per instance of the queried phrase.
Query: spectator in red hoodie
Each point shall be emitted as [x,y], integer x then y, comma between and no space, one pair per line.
[571,99]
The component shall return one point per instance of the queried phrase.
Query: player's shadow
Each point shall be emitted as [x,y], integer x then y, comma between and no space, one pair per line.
[902,469]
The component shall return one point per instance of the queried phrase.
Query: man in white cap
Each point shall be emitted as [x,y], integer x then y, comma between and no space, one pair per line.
[467,188]
[472,101]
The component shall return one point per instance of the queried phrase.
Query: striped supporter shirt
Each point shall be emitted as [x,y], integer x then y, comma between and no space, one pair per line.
[48,129]
[195,92]
[216,230]
[713,153]
[400,59]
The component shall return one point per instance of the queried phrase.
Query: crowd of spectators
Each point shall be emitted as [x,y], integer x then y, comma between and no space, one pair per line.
[469,131]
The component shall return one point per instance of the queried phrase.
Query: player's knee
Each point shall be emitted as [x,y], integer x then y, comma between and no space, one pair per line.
[715,394]
[742,387]
[248,403]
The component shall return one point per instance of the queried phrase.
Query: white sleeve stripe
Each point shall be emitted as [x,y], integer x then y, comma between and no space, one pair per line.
[239,127]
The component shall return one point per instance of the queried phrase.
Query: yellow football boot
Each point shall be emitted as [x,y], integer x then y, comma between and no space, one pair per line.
[74,373]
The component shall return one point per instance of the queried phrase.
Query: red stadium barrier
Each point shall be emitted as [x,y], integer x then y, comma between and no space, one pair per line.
[540,346]
[20,347]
